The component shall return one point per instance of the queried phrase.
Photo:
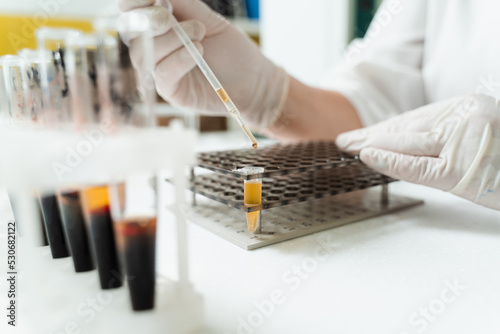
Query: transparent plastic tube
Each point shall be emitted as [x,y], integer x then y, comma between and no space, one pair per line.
[66,81]
[212,79]
[134,210]
[252,196]
[5,118]
[74,229]
[90,42]
[126,91]
[99,226]
[53,226]
[15,89]
[34,59]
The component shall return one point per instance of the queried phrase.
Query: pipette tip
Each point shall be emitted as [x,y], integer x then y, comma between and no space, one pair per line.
[250,136]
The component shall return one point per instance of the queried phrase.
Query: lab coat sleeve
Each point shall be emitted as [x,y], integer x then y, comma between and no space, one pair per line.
[381,74]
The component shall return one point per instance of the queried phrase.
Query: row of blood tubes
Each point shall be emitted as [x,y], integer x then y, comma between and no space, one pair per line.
[75,82]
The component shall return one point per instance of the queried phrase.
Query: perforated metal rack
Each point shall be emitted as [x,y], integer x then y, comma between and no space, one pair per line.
[293,174]
[277,160]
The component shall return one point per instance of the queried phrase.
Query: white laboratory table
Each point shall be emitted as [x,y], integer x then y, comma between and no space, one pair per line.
[431,269]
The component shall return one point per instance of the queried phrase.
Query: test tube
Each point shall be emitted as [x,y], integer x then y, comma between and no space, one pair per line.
[53,225]
[252,196]
[33,59]
[126,89]
[45,240]
[126,98]
[41,239]
[95,207]
[74,229]
[55,99]
[16,90]
[67,79]
[90,42]
[134,210]
[5,119]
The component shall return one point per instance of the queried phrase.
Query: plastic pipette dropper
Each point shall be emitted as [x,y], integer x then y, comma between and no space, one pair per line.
[212,79]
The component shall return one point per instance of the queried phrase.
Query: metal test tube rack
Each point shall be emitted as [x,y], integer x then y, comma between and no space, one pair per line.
[294,174]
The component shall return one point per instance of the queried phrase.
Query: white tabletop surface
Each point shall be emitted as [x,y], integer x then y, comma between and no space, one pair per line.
[430,269]
[376,275]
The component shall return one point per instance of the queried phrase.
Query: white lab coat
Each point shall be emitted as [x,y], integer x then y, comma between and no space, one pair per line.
[421,51]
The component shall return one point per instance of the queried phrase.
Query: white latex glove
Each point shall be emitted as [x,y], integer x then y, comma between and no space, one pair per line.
[453,145]
[256,85]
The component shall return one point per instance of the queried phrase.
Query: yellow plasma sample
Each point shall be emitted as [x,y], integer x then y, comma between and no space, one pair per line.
[250,135]
[95,198]
[252,196]
[223,95]
[236,114]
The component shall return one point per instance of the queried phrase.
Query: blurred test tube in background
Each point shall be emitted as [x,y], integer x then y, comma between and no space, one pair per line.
[15,90]
[74,228]
[53,225]
[127,90]
[90,42]
[95,207]
[66,80]
[34,59]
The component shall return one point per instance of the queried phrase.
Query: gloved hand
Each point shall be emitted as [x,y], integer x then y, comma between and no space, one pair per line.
[256,85]
[453,145]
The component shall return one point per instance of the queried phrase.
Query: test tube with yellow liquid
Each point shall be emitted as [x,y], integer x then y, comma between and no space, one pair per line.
[252,196]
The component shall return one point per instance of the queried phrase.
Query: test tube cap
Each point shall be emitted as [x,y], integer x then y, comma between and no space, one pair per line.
[249,170]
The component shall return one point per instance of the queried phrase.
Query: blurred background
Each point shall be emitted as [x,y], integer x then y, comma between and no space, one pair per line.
[306,38]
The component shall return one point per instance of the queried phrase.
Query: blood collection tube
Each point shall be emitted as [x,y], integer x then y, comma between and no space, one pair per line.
[252,196]
[124,98]
[53,225]
[95,207]
[138,251]
[45,240]
[134,207]
[74,229]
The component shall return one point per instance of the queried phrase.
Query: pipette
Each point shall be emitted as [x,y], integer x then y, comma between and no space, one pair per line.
[212,79]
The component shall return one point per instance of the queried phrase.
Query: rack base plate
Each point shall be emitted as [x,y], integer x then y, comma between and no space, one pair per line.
[288,222]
